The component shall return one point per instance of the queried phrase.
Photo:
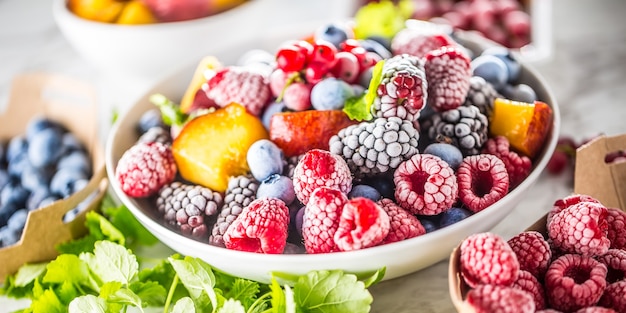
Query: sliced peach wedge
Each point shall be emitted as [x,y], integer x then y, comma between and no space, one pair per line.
[525,125]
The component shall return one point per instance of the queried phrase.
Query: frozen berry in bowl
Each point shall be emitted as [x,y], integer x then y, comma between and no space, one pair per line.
[339,177]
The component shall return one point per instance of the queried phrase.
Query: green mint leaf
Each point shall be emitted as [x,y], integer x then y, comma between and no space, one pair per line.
[232,306]
[163,273]
[9,288]
[331,291]
[151,293]
[370,279]
[243,290]
[278,297]
[359,108]
[197,277]
[27,273]
[380,18]
[170,111]
[88,303]
[78,246]
[69,268]
[66,292]
[112,262]
[100,227]
[128,225]
[126,297]
[48,302]
[107,289]
[184,305]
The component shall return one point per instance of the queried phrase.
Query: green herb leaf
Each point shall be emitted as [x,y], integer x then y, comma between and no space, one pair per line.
[370,279]
[290,302]
[197,277]
[163,273]
[28,273]
[99,226]
[151,293]
[128,225]
[126,296]
[243,290]
[170,111]
[232,306]
[359,108]
[112,262]
[184,305]
[331,291]
[66,292]
[68,268]
[48,302]
[278,297]
[88,303]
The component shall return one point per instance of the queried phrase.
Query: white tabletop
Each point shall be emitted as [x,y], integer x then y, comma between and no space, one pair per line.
[587,73]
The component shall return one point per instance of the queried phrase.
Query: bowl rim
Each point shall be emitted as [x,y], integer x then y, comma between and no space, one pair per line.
[434,236]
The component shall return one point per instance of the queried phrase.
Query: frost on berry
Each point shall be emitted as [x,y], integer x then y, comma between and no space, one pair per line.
[425,184]
[321,219]
[596,309]
[240,193]
[517,166]
[261,227]
[486,258]
[489,298]
[616,232]
[145,168]
[580,228]
[448,73]
[483,180]
[529,283]
[320,168]
[532,251]
[403,224]
[615,261]
[562,204]
[362,224]
[614,296]
[574,281]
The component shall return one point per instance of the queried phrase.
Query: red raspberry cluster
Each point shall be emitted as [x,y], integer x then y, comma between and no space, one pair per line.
[575,268]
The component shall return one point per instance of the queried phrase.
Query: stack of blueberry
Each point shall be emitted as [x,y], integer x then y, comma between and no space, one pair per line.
[45,164]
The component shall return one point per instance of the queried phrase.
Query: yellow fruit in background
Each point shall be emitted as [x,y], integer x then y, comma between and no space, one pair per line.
[208,63]
[211,148]
[134,13]
[97,10]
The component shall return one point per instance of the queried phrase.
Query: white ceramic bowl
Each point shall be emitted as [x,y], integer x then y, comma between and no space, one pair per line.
[399,258]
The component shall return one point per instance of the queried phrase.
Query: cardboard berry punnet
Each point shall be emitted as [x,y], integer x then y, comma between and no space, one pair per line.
[73,104]
[593,176]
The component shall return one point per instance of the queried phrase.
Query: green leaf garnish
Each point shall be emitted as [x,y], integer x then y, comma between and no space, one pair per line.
[112,262]
[359,108]
[88,303]
[332,291]
[170,111]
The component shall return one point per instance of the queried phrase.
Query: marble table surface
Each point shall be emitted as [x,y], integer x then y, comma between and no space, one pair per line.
[586,71]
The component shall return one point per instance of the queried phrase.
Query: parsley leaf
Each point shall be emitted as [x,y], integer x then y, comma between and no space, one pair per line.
[121,217]
[112,262]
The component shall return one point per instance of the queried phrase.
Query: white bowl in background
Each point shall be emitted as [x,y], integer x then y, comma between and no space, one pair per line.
[398,258]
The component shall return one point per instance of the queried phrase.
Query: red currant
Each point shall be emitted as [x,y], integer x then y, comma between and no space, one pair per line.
[305,46]
[290,58]
[323,52]
[315,72]
[349,44]
[346,67]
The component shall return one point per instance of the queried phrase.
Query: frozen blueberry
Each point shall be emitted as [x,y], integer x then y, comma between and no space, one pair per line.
[63,180]
[513,66]
[330,94]
[333,33]
[365,77]
[273,108]
[453,215]
[6,210]
[428,224]
[383,184]
[376,47]
[45,148]
[277,186]
[17,146]
[519,92]
[447,152]
[79,185]
[364,191]
[37,196]
[17,221]
[14,193]
[383,41]
[17,165]
[71,143]
[149,119]
[492,69]
[33,177]
[4,178]
[264,159]
[78,160]
[8,236]
[37,124]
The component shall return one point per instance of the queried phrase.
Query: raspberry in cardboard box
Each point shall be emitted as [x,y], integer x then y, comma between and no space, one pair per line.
[70,106]
[594,265]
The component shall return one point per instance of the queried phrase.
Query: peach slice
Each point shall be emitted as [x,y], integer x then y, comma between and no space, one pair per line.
[136,12]
[212,147]
[298,132]
[205,69]
[525,125]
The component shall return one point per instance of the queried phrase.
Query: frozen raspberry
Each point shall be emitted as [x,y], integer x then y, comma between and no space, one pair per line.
[517,166]
[404,225]
[580,228]
[416,42]
[574,281]
[145,168]
[448,73]
[562,204]
[486,258]
[615,296]
[319,168]
[532,251]
[548,311]
[425,185]
[241,85]
[616,233]
[595,309]
[240,193]
[362,224]
[321,219]
[529,283]
[615,261]
[261,227]
[188,207]
[493,298]
[483,180]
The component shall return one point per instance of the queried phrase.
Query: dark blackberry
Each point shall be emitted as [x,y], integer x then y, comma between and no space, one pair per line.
[240,193]
[481,94]
[187,207]
[375,147]
[290,165]
[464,127]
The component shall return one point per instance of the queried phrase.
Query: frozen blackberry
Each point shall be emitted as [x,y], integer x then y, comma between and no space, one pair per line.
[187,207]
[156,134]
[290,165]
[240,193]
[376,147]
[465,127]
[402,90]
[481,94]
